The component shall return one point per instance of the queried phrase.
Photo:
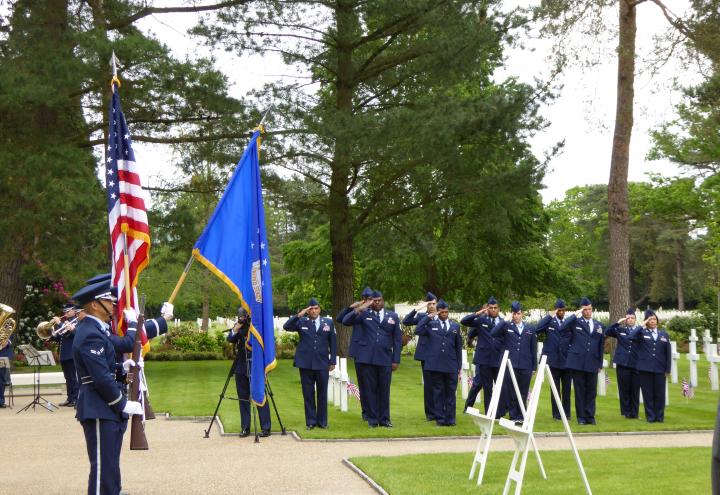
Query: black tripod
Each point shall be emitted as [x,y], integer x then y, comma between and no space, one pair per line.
[268,393]
[38,400]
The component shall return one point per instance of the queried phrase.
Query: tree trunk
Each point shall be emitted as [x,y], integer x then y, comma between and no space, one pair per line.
[341,225]
[679,276]
[618,204]
[12,284]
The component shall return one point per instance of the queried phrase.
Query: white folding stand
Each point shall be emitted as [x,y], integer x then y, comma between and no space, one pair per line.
[343,385]
[464,375]
[523,435]
[486,422]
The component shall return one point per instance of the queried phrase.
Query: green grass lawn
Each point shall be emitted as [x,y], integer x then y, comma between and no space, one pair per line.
[192,388]
[610,471]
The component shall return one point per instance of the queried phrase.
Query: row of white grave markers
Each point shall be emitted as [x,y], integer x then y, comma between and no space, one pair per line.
[693,357]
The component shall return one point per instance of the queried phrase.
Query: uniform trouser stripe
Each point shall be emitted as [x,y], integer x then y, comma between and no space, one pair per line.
[98,463]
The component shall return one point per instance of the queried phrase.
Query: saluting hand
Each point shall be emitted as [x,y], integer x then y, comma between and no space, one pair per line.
[622,320]
[552,312]
[420,306]
[481,311]
[302,312]
[355,304]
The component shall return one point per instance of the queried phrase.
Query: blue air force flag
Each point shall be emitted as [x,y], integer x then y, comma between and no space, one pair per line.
[234,247]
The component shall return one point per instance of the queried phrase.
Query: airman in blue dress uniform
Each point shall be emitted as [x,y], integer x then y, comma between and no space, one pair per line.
[487,358]
[238,335]
[6,351]
[315,357]
[377,355]
[520,340]
[102,407]
[64,334]
[584,358]
[443,360]
[625,361]
[355,338]
[412,319]
[555,348]
[654,358]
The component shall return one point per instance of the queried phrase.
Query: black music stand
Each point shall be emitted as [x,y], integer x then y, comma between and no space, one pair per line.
[37,360]
[5,376]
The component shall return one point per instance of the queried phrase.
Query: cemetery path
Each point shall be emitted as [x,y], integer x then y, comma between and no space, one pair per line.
[47,455]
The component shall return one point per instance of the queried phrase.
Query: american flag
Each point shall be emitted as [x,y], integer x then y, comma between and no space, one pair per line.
[127,216]
[607,379]
[353,389]
[687,390]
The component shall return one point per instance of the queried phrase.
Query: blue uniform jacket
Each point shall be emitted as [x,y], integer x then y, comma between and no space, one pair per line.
[354,337]
[486,350]
[7,351]
[378,342]
[412,319]
[66,343]
[100,396]
[626,350]
[522,348]
[317,349]
[239,340]
[443,348]
[654,356]
[556,344]
[586,349]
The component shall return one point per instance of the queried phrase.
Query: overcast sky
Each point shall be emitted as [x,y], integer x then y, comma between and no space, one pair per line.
[582,115]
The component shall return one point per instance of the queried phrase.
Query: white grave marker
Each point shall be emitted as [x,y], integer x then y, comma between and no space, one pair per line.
[675,358]
[693,357]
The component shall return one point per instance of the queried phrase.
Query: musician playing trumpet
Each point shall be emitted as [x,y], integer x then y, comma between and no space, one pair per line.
[64,333]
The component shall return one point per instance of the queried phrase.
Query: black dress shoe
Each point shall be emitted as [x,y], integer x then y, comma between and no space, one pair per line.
[591,421]
[386,424]
[449,424]
[322,427]
[2,406]
[245,432]
[66,403]
[371,425]
[582,422]
[265,433]
[310,427]
[440,423]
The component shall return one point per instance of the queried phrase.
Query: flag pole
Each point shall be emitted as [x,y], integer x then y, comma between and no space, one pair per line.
[181,279]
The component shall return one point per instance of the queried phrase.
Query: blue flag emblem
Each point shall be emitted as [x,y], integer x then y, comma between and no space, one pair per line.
[234,247]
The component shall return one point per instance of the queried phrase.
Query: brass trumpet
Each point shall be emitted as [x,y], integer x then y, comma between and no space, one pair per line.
[7,324]
[44,330]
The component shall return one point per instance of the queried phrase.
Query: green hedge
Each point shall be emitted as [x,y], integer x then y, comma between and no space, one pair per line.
[184,356]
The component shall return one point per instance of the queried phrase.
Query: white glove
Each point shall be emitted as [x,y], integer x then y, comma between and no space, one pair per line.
[132,407]
[166,310]
[127,364]
[130,315]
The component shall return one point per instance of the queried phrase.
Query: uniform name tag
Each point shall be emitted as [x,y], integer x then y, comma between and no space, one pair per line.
[303,328]
[484,325]
[369,319]
[622,333]
[578,328]
[646,336]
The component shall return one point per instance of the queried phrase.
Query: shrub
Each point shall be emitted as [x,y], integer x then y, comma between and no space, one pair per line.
[184,356]
[186,338]
[679,327]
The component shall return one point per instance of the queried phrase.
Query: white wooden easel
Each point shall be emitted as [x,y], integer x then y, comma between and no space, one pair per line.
[523,435]
[486,421]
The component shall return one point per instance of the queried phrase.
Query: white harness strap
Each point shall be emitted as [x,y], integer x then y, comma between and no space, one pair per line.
[97,461]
